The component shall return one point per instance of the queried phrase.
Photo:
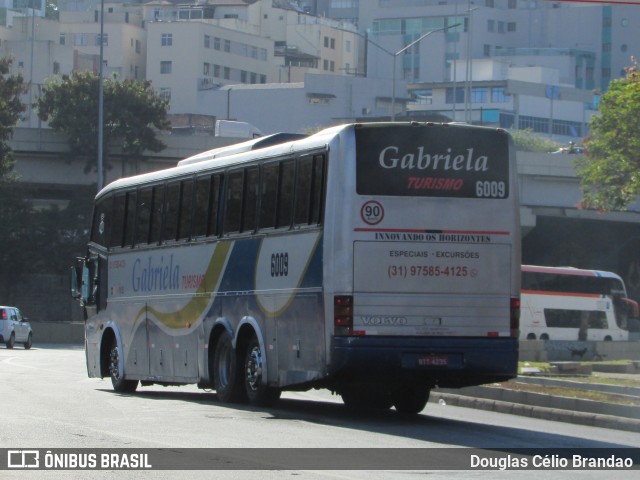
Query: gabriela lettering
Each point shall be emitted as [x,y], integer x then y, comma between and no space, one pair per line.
[155,276]
[390,157]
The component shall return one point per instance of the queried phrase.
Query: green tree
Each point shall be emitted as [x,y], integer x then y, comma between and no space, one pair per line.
[133,113]
[11,87]
[610,173]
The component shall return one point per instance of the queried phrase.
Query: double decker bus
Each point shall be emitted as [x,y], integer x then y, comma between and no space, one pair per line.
[566,303]
[375,260]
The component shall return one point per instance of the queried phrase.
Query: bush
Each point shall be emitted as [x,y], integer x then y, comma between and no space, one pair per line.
[526,141]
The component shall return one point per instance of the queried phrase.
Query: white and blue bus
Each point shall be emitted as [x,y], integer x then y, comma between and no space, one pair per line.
[375,260]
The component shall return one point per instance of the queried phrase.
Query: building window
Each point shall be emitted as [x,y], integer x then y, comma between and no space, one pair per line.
[206,69]
[80,40]
[227,45]
[511,27]
[487,50]
[166,39]
[138,46]
[480,95]
[63,39]
[216,43]
[165,67]
[216,70]
[458,98]
[491,25]
[423,97]
[498,95]
[227,73]
[512,4]
[207,41]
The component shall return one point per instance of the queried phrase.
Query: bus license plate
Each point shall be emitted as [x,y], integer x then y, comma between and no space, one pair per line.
[433,361]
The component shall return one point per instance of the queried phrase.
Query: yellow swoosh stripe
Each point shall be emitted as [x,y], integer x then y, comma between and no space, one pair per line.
[194,309]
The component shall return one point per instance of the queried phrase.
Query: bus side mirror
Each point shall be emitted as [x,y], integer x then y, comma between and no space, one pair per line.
[80,281]
[75,294]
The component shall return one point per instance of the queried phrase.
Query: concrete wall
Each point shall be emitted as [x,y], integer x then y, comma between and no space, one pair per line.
[58,333]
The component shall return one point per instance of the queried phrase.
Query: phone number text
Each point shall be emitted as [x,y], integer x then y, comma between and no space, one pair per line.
[403,271]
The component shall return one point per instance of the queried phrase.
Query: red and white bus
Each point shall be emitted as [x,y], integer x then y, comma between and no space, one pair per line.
[565,303]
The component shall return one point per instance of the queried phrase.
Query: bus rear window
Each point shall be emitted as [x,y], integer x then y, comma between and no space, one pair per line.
[432,161]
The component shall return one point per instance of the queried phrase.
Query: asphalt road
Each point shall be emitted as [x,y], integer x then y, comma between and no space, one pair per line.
[48,402]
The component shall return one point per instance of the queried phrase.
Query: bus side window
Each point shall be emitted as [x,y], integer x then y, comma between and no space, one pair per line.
[143,216]
[250,201]
[233,207]
[214,205]
[130,220]
[117,227]
[268,195]
[201,206]
[309,190]
[102,221]
[303,191]
[317,190]
[157,208]
[285,193]
[170,229]
[186,207]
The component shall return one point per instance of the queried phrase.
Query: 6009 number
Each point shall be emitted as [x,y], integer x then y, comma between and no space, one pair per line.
[279,264]
[491,189]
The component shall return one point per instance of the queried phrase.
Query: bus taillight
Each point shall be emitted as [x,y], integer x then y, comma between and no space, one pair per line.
[515,316]
[343,315]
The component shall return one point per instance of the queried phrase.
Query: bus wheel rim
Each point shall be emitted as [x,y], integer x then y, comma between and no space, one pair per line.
[254,368]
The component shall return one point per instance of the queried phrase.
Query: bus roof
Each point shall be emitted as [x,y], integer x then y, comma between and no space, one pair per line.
[569,271]
[274,145]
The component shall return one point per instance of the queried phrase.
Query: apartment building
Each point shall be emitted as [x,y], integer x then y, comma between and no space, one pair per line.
[124,36]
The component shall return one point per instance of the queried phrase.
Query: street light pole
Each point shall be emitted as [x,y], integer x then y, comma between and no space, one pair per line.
[393,83]
[101,98]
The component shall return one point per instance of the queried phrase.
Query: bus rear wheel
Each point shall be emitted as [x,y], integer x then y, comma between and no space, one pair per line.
[227,377]
[118,381]
[412,399]
[258,392]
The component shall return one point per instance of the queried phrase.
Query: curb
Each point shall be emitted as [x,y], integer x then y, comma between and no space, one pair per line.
[543,413]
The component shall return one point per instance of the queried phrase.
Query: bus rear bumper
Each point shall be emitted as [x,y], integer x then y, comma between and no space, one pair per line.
[445,362]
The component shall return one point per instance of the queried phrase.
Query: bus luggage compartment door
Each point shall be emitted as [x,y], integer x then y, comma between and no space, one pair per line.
[432,289]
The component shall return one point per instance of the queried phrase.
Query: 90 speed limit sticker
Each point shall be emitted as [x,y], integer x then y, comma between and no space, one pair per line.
[372,212]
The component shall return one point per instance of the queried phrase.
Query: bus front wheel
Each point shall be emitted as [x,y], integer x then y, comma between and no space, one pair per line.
[227,379]
[258,392]
[118,381]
